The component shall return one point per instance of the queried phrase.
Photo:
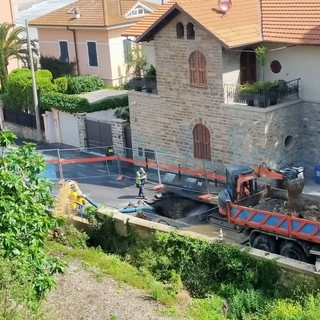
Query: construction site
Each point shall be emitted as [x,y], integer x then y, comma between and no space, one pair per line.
[256,206]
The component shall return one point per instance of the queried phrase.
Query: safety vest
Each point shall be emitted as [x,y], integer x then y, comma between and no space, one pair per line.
[138,178]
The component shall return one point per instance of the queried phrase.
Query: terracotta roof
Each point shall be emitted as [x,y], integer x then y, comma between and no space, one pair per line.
[93,13]
[239,26]
[291,21]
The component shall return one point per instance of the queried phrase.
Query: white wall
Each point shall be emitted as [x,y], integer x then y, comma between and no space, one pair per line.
[297,62]
[69,129]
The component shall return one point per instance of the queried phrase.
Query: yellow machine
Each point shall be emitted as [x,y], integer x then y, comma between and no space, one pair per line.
[70,200]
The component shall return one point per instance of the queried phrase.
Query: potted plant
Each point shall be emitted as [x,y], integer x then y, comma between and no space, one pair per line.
[150,78]
[272,88]
[136,62]
[247,92]
[262,94]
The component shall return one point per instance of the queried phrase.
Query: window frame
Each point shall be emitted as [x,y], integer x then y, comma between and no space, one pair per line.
[67,60]
[198,69]
[201,142]
[96,53]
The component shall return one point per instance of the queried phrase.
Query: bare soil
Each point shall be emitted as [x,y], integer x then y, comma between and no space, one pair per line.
[81,295]
[304,209]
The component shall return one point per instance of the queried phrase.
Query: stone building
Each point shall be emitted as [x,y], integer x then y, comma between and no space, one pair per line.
[204,51]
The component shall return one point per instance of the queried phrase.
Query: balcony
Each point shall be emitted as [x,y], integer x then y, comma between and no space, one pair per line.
[262,94]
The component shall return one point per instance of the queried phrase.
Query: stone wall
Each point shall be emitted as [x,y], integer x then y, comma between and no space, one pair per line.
[239,134]
[310,124]
[22,132]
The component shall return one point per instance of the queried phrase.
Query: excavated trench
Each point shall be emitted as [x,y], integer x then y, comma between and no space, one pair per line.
[176,207]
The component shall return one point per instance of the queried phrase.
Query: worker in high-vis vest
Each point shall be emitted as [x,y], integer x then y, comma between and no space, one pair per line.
[141,178]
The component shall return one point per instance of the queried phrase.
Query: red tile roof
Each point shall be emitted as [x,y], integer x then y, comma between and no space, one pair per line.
[93,13]
[290,21]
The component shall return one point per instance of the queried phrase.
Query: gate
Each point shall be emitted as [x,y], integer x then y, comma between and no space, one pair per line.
[98,133]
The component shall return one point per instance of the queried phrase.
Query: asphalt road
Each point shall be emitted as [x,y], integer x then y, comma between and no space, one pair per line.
[116,194]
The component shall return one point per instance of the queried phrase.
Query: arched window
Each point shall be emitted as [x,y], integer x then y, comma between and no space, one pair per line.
[198,69]
[201,142]
[190,31]
[180,30]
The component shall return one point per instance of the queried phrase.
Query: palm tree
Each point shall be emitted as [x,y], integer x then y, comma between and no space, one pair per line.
[12,45]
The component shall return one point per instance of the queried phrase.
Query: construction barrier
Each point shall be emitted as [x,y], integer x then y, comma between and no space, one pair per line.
[196,175]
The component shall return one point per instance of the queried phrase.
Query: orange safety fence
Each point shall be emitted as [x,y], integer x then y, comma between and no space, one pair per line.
[178,169]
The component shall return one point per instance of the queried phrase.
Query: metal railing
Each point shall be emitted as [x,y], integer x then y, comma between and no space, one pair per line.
[285,91]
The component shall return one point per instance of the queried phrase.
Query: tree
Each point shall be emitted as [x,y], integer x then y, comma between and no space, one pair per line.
[12,45]
[261,52]
[136,61]
[25,215]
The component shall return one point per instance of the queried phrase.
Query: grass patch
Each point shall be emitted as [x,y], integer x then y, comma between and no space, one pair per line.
[101,263]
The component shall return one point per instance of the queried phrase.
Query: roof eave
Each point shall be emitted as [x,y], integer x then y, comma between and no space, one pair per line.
[157,25]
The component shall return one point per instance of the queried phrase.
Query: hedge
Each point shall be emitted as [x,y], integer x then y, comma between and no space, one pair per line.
[81,84]
[63,102]
[77,104]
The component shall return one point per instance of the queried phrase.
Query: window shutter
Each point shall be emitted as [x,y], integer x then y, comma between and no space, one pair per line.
[201,142]
[198,69]
[92,53]
[64,54]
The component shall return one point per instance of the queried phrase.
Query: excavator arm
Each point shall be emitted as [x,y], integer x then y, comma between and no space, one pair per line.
[264,172]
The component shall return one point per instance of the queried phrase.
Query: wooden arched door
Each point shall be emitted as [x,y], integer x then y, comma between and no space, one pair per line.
[248,71]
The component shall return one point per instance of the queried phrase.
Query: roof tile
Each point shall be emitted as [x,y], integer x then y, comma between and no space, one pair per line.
[93,13]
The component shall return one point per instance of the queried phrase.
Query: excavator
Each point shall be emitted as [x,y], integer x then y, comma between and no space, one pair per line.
[241,182]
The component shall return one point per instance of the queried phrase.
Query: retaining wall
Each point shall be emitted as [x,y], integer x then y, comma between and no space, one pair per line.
[292,270]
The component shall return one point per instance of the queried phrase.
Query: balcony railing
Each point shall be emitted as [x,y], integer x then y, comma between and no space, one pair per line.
[265,97]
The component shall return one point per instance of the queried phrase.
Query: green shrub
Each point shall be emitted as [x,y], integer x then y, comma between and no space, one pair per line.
[211,308]
[63,102]
[123,113]
[19,88]
[56,67]
[284,310]
[245,302]
[109,103]
[62,84]
[81,84]
[77,104]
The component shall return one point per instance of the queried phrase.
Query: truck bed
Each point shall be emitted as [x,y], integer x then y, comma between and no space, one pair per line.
[265,211]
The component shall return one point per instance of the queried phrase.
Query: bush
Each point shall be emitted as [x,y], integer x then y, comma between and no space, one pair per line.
[123,113]
[19,94]
[109,103]
[56,67]
[77,104]
[63,102]
[62,84]
[81,84]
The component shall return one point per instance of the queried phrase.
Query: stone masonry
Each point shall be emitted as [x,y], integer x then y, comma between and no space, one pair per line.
[238,134]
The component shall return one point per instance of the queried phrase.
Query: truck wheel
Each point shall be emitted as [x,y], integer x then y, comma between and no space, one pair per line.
[294,251]
[266,243]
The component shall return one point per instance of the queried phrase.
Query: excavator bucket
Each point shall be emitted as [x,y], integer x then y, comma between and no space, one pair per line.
[294,189]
